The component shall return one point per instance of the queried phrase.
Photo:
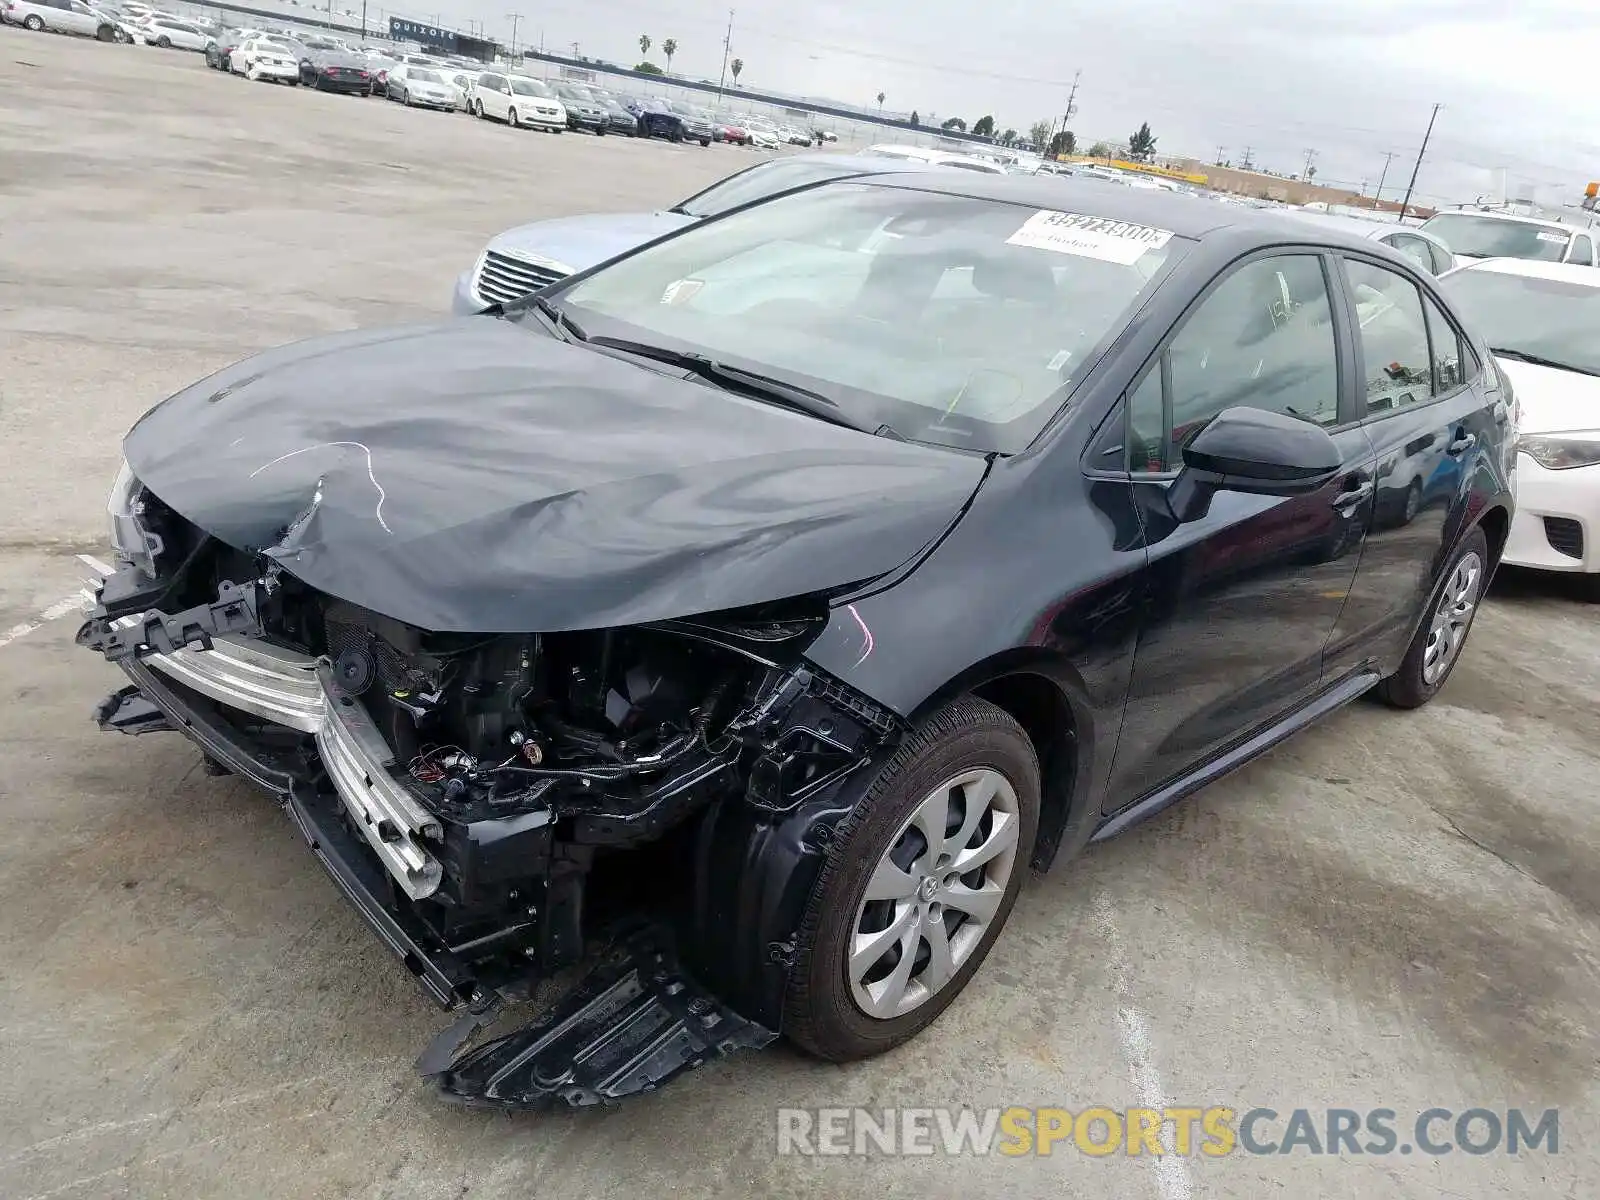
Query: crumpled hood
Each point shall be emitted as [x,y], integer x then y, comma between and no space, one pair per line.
[478,476]
[578,243]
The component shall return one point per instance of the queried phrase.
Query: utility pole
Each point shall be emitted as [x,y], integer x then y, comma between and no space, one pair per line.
[727,42]
[1311,156]
[574,49]
[1380,192]
[1405,205]
[1221,150]
[1072,107]
[516,19]
[363,20]
[1246,163]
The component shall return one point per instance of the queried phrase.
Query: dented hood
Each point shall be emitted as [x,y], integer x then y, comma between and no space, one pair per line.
[478,476]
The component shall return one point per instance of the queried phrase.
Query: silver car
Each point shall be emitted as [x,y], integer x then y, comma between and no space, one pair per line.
[530,257]
[1421,247]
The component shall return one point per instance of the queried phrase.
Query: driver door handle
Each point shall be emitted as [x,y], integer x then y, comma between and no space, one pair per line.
[1463,443]
[1348,502]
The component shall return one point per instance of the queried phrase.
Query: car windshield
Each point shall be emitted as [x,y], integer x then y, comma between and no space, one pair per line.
[1554,319]
[1497,237]
[577,93]
[423,77]
[951,319]
[758,182]
[530,87]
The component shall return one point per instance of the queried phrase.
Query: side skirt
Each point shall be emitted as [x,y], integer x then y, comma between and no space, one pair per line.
[1335,697]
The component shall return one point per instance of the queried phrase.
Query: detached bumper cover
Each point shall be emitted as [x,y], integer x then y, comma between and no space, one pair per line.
[636,1022]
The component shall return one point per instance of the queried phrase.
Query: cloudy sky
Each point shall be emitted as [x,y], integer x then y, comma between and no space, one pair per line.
[1353,80]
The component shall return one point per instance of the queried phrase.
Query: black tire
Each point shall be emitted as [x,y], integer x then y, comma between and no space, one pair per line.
[820,1014]
[1409,687]
[511,118]
[675,135]
[601,132]
[164,42]
[105,34]
[33,22]
[705,141]
[1413,503]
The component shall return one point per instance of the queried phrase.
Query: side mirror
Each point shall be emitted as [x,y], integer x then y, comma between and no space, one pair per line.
[1253,451]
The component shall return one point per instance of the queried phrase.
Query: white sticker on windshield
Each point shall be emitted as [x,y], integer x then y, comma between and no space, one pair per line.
[681,291]
[1089,237]
[1559,238]
[1059,361]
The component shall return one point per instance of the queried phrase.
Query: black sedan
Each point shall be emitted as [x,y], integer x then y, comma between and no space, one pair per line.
[657,118]
[336,71]
[761,606]
[618,118]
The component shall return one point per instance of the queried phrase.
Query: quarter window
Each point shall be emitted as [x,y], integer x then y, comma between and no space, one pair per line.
[1413,248]
[1583,250]
[1394,338]
[1262,339]
[1451,359]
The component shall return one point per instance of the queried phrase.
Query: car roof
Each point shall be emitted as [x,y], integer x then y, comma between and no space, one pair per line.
[1173,211]
[1548,222]
[1531,269]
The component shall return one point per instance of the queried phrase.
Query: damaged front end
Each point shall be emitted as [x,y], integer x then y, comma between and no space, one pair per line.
[500,806]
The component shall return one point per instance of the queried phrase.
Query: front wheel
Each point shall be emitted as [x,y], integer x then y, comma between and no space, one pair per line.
[511,118]
[705,141]
[33,22]
[1436,648]
[918,882]
[164,42]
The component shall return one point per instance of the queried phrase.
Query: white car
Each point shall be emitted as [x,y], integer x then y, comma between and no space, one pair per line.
[63,16]
[463,82]
[168,32]
[1474,234]
[518,100]
[266,57]
[1542,323]
[420,87]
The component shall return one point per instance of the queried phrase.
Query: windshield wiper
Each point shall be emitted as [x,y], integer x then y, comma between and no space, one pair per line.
[563,326]
[1540,361]
[751,383]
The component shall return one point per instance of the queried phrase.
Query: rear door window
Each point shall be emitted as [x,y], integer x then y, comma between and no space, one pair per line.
[1394,337]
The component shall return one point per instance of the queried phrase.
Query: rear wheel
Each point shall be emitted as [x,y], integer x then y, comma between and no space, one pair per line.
[1436,648]
[105,34]
[919,880]
[164,42]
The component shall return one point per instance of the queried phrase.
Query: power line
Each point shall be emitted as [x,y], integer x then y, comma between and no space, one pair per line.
[1311,157]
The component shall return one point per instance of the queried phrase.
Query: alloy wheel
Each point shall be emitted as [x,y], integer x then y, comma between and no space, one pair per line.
[933,894]
[1452,617]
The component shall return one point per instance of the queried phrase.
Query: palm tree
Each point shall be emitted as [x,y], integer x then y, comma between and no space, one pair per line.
[880,101]
[669,48]
[644,45]
[736,66]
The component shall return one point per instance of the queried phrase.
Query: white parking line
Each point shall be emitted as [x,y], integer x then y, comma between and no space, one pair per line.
[79,601]
[1172,1174]
[75,603]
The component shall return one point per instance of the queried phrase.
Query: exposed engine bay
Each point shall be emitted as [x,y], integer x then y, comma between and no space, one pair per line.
[529,796]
